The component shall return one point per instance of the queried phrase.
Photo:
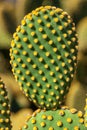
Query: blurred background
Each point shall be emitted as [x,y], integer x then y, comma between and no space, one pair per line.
[11,13]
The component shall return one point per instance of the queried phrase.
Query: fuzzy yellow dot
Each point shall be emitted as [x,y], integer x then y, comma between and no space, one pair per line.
[59,123]
[30,25]
[56,87]
[59,39]
[44,78]
[80,114]
[61,112]
[63,46]
[45,16]
[40,71]
[23,22]
[34,66]
[59,57]
[46,66]
[48,85]
[76,128]
[52,61]
[24,53]
[56,20]
[55,49]
[44,117]
[28,60]
[69,120]
[42,96]
[51,128]
[60,28]
[41,47]
[52,93]
[57,68]
[33,121]
[65,129]
[40,29]
[23,65]
[32,33]
[35,128]
[81,120]
[13,43]
[50,42]
[30,46]
[15,51]
[48,25]
[25,39]
[39,21]
[44,36]
[44,90]
[42,124]
[35,40]
[35,53]
[53,31]
[32,78]
[22,31]
[49,99]
[19,45]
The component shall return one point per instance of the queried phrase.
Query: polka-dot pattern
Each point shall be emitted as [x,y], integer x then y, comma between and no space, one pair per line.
[61,119]
[85,116]
[44,55]
[5,123]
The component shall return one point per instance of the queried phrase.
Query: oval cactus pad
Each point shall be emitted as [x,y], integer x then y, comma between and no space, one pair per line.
[44,55]
[63,119]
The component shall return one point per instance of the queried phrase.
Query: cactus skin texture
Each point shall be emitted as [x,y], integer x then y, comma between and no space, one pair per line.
[5,123]
[63,119]
[44,55]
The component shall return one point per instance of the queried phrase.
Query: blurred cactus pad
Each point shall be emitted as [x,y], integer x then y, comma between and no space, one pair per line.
[5,123]
[44,54]
[63,119]
[82,33]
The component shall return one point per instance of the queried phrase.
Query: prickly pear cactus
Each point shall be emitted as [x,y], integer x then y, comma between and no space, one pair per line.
[63,119]
[5,123]
[44,54]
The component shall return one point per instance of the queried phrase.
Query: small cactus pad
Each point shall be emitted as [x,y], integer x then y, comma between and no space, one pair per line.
[44,54]
[63,119]
[5,123]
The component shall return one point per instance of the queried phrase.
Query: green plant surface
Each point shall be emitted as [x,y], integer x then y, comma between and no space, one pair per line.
[5,123]
[63,119]
[44,55]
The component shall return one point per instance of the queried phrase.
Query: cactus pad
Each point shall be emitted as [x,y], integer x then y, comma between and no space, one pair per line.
[44,54]
[63,119]
[5,123]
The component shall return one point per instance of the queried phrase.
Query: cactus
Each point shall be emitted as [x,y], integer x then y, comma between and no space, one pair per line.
[63,119]
[5,123]
[44,55]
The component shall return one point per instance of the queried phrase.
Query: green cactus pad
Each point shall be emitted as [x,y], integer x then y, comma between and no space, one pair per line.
[5,123]
[63,119]
[44,54]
